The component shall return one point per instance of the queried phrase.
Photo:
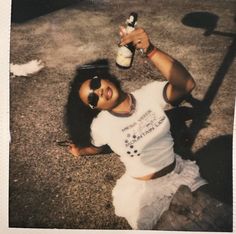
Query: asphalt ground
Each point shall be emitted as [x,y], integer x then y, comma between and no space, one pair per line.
[51,189]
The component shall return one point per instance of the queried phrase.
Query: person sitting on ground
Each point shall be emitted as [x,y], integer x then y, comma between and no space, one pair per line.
[134,125]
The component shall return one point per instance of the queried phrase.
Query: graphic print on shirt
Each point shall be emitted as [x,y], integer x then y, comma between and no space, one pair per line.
[135,132]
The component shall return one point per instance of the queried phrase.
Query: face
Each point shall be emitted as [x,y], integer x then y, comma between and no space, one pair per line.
[99,93]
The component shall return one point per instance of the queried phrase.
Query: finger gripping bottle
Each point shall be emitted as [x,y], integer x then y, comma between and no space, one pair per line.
[125,53]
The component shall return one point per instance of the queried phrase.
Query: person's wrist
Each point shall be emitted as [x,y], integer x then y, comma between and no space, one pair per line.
[151,51]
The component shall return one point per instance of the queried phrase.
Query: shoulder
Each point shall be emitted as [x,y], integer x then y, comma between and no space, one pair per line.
[153,89]
[99,120]
[153,92]
[155,85]
[97,128]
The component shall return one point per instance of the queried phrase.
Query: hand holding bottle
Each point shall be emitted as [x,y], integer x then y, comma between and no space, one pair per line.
[137,37]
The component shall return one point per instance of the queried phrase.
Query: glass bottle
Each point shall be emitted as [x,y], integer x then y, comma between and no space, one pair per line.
[125,54]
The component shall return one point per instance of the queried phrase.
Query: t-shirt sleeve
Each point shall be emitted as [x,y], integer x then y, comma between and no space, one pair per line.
[96,134]
[156,92]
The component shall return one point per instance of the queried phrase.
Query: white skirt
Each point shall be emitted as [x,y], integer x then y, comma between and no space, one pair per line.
[143,202]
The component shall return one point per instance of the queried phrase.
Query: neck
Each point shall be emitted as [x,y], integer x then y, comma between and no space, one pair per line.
[125,107]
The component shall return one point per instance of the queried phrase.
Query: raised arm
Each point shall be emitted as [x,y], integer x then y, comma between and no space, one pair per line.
[180,80]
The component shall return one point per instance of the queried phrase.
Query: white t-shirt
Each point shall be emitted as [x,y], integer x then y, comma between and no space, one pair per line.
[143,140]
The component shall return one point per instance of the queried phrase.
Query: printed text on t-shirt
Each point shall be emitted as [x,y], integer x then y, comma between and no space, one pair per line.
[146,124]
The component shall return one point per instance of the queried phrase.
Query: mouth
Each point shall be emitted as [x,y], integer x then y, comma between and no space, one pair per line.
[108,93]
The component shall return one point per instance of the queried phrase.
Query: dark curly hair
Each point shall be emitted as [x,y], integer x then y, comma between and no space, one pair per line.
[78,116]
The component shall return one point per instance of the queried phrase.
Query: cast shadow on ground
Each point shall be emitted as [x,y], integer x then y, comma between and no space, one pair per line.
[215,158]
[23,10]
[208,22]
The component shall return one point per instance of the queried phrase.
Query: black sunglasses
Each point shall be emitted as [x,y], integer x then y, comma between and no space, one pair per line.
[93,98]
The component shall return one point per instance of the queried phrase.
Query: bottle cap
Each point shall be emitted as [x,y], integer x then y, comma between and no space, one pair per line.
[132,20]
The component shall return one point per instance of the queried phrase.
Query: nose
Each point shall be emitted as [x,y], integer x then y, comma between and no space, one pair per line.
[99,92]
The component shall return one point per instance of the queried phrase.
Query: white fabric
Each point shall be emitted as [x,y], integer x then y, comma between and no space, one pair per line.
[145,146]
[143,140]
[143,202]
[26,69]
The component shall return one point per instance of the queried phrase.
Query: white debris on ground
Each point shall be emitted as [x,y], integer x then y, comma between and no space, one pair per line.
[26,69]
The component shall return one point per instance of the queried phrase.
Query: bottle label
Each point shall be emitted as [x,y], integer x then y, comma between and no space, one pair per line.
[124,57]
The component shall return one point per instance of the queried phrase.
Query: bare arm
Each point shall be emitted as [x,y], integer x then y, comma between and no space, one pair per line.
[91,150]
[180,80]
